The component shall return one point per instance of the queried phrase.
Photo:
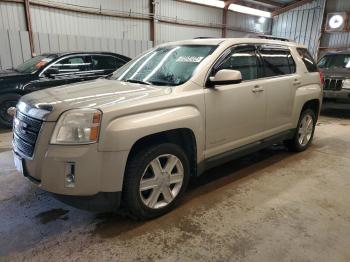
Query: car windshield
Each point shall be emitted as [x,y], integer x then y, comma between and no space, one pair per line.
[164,66]
[34,64]
[336,60]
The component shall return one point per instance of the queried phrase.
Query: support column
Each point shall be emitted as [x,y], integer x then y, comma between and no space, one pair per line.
[29,25]
[152,21]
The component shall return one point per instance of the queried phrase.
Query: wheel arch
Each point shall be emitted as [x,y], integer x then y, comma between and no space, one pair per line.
[183,137]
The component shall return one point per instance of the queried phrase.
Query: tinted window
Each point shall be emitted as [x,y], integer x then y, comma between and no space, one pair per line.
[106,62]
[307,59]
[73,64]
[277,62]
[242,59]
[335,60]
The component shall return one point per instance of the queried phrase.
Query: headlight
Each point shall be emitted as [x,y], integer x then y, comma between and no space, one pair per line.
[77,126]
[346,84]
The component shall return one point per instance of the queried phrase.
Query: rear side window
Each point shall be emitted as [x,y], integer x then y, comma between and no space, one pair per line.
[72,64]
[106,62]
[307,59]
[277,62]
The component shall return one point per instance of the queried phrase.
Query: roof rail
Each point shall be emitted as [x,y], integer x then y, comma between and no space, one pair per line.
[203,37]
[271,37]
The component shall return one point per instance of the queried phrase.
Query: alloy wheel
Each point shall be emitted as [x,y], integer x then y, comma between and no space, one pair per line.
[161,181]
[305,130]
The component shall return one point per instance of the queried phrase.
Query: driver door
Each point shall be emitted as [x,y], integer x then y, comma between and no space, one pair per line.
[235,113]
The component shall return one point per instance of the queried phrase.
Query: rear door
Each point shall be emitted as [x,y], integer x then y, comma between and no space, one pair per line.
[280,82]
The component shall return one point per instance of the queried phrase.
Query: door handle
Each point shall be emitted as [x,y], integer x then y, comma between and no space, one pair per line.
[296,82]
[257,89]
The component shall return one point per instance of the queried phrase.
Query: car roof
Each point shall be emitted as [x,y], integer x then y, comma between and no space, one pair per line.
[61,54]
[233,41]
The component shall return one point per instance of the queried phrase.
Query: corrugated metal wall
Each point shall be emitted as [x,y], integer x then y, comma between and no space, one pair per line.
[247,23]
[49,20]
[12,16]
[64,30]
[302,24]
[337,39]
[15,47]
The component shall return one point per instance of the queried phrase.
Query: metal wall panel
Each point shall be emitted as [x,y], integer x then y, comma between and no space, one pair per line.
[14,49]
[12,16]
[302,25]
[136,6]
[248,23]
[49,20]
[189,12]
[169,32]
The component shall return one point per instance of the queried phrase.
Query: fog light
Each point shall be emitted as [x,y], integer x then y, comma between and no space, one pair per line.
[70,174]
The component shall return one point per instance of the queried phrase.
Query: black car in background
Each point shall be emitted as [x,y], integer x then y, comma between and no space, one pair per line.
[49,70]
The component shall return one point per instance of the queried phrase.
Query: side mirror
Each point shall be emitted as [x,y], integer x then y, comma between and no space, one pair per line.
[226,77]
[51,72]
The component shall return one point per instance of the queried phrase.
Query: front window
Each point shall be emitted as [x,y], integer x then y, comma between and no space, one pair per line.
[168,66]
[34,64]
[336,60]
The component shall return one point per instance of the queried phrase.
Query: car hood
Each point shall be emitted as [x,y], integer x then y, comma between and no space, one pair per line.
[100,94]
[336,72]
[8,73]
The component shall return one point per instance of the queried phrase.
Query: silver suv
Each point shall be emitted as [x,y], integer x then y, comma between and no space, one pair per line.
[168,115]
[336,70]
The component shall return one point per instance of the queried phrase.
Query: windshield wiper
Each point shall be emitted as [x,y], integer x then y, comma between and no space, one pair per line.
[137,82]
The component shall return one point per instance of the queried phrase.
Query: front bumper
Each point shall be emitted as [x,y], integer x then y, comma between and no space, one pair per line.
[342,95]
[95,171]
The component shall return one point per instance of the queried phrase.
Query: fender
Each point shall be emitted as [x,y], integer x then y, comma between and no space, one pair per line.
[302,96]
[122,133]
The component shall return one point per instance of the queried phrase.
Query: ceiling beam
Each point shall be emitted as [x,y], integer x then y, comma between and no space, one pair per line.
[255,5]
[272,3]
[291,6]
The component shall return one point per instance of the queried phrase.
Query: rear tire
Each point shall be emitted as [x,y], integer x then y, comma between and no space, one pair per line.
[6,102]
[155,180]
[304,132]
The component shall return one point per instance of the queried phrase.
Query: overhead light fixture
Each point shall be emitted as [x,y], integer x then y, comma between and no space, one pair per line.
[262,20]
[249,10]
[215,3]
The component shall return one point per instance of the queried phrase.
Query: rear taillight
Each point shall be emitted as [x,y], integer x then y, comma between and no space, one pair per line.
[321,77]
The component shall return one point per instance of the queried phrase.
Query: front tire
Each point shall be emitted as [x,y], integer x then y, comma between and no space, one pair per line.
[304,133]
[7,102]
[155,180]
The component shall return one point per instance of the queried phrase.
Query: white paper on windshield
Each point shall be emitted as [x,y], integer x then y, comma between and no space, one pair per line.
[189,59]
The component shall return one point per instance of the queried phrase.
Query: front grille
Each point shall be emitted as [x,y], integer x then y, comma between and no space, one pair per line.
[25,134]
[333,84]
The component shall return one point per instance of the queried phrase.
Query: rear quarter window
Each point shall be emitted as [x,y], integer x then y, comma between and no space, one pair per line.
[309,62]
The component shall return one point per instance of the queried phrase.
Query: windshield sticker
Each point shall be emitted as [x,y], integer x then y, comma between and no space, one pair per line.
[189,59]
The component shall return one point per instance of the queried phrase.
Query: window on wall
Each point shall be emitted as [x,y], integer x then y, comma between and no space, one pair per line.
[277,62]
[73,64]
[242,59]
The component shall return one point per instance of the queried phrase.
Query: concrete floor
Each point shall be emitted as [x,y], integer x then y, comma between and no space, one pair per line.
[270,206]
